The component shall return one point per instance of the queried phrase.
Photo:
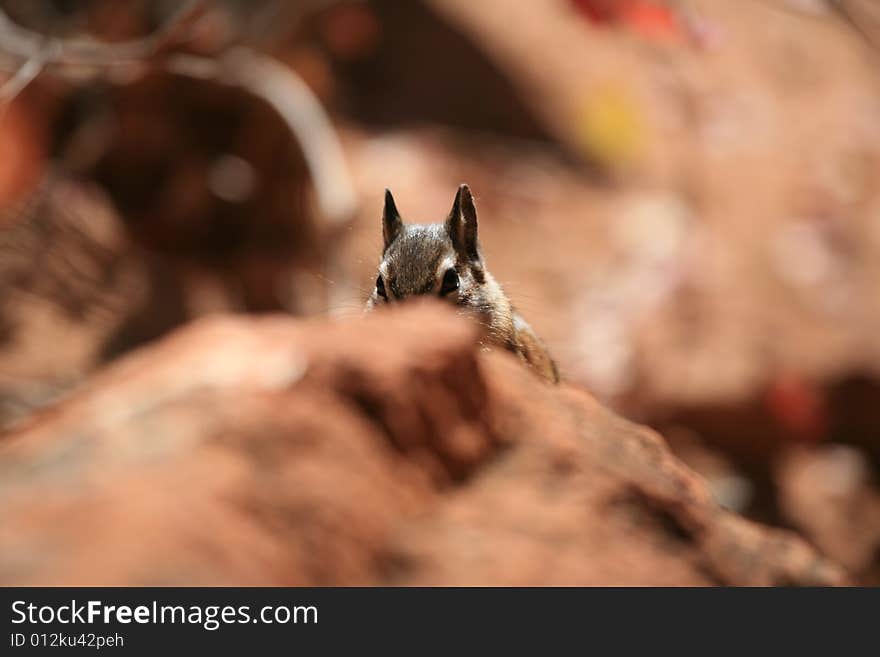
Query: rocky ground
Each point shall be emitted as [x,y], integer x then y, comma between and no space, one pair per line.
[202,460]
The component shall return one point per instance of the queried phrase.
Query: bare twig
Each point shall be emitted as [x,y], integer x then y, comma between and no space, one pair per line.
[24,45]
[301,111]
[261,75]
[22,78]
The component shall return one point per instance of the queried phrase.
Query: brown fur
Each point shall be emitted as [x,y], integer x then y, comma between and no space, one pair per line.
[417,257]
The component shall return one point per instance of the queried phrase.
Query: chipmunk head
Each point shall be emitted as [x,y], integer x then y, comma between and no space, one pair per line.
[442,260]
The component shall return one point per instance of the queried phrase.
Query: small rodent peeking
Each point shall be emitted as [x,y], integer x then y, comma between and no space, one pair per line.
[444,260]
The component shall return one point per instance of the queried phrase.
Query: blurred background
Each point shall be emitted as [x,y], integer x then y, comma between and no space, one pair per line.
[683,197]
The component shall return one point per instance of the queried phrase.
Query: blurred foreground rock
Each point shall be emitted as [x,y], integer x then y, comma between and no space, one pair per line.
[74,292]
[385,450]
[826,494]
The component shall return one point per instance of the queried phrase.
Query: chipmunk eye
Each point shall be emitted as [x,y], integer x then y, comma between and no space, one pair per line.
[380,287]
[450,282]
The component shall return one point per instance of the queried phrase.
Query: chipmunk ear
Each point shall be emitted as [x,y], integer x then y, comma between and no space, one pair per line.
[462,224]
[392,224]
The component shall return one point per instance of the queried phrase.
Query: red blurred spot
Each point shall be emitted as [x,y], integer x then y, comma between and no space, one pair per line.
[800,407]
[649,18]
[600,11]
[351,30]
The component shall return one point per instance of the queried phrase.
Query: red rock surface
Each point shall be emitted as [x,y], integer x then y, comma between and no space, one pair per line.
[827,494]
[383,450]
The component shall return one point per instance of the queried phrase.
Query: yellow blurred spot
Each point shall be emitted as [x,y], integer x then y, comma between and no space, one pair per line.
[611,128]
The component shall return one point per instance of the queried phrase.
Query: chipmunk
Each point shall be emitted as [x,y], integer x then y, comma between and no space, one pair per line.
[445,260]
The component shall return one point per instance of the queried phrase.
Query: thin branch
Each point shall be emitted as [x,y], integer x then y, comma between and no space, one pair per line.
[301,111]
[261,75]
[22,78]
[25,45]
